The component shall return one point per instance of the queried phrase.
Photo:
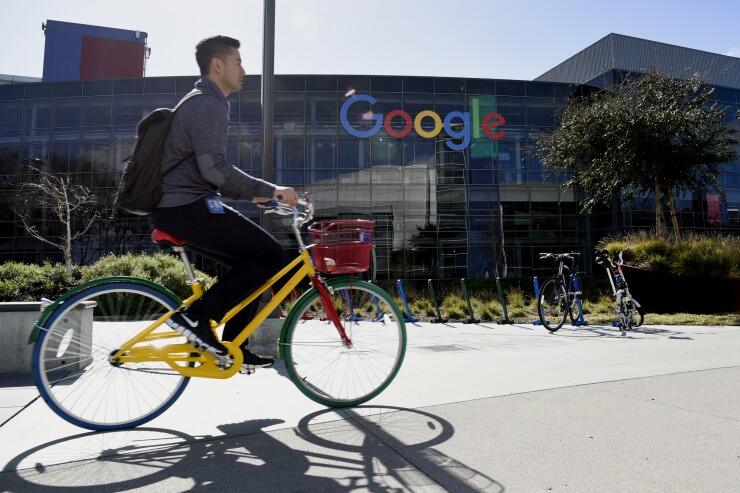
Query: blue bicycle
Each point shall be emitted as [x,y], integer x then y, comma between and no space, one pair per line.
[560,296]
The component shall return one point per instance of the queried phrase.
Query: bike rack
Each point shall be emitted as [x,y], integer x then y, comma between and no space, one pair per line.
[377,307]
[472,319]
[439,318]
[408,317]
[351,317]
[501,298]
[537,297]
[580,322]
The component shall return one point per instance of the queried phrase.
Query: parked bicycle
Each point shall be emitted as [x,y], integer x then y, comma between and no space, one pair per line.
[630,313]
[561,295]
[104,359]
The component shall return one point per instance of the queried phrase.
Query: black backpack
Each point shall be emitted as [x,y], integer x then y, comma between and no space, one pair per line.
[140,188]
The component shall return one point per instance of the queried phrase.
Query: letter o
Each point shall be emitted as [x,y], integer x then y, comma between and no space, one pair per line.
[397,133]
[437,124]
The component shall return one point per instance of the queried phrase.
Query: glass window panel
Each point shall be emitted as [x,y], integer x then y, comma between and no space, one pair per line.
[323,110]
[445,85]
[11,114]
[250,155]
[724,94]
[385,152]
[127,110]
[510,87]
[184,85]
[539,89]
[96,133]
[321,83]
[128,86]
[67,112]
[480,86]
[250,107]
[12,91]
[97,110]
[39,90]
[349,153]
[290,83]
[564,90]
[386,84]
[97,88]
[540,112]
[418,84]
[322,153]
[445,103]
[419,151]
[512,109]
[67,89]
[154,101]
[160,85]
[290,107]
[360,84]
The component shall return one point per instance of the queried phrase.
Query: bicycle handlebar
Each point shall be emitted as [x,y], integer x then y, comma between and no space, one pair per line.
[604,254]
[300,217]
[558,256]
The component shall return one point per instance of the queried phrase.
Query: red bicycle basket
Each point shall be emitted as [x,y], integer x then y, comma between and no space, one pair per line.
[342,246]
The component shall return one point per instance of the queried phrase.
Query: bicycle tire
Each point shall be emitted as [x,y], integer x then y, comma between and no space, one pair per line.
[634,316]
[552,304]
[71,364]
[322,366]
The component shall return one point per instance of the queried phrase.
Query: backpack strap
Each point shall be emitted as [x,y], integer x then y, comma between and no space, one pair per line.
[188,96]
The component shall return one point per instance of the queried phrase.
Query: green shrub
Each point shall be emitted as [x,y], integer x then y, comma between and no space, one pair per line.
[30,282]
[160,268]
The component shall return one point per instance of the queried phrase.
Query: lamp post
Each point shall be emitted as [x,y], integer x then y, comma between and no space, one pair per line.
[268,76]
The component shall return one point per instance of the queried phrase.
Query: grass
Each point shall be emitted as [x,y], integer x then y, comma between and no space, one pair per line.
[698,255]
[521,306]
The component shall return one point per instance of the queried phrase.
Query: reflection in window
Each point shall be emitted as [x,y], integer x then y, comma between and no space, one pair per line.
[67,112]
[10,114]
[97,111]
[127,110]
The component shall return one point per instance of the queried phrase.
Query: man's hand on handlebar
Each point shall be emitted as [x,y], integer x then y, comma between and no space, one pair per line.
[285,195]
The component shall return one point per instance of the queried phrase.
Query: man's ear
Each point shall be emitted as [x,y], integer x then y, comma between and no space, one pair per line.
[216,65]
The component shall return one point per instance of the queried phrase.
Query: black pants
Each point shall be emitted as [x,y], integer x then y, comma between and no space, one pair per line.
[252,254]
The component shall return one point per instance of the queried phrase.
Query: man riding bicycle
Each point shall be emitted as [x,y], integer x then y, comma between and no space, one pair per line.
[191,207]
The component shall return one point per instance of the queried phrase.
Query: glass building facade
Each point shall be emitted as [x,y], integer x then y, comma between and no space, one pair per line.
[442,165]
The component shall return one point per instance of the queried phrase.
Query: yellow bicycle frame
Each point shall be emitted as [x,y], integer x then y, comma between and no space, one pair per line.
[190,362]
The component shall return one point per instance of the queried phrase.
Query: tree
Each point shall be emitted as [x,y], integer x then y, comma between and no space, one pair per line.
[72,207]
[649,134]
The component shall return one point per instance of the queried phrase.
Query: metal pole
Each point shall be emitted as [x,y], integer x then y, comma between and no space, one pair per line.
[268,76]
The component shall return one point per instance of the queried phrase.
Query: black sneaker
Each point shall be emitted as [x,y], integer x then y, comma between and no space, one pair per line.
[252,361]
[198,332]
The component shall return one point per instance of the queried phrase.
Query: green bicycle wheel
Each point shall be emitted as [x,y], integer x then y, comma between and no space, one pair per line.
[319,362]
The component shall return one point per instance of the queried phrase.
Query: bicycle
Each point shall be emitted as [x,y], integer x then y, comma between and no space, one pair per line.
[560,297]
[630,313]
[104,359]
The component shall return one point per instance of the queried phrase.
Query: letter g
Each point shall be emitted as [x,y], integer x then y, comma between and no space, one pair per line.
[378,119]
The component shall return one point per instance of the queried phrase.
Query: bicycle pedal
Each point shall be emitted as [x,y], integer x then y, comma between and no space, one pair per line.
[246,371]
[224,362]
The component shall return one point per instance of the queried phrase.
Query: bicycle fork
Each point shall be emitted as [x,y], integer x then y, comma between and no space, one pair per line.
[330,310]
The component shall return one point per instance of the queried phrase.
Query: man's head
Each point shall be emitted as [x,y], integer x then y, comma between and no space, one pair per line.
[219,59]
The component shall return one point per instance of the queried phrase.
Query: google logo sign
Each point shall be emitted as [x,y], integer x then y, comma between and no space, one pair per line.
[487,124]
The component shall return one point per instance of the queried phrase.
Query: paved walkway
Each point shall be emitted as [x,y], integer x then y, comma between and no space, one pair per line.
[475,408]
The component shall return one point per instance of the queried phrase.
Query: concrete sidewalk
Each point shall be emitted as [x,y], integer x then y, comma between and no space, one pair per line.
[475,408]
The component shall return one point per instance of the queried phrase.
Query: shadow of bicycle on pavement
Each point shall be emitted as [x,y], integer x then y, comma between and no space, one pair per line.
[370,448]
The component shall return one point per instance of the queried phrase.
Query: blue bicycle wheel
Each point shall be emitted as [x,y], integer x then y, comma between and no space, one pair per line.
[71,362]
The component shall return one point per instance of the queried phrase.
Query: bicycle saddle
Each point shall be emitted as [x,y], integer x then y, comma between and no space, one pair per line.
[165,240]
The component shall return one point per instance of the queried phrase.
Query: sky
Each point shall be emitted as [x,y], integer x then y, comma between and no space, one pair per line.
[496,39]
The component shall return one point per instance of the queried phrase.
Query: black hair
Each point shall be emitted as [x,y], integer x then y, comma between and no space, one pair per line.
[213,47]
